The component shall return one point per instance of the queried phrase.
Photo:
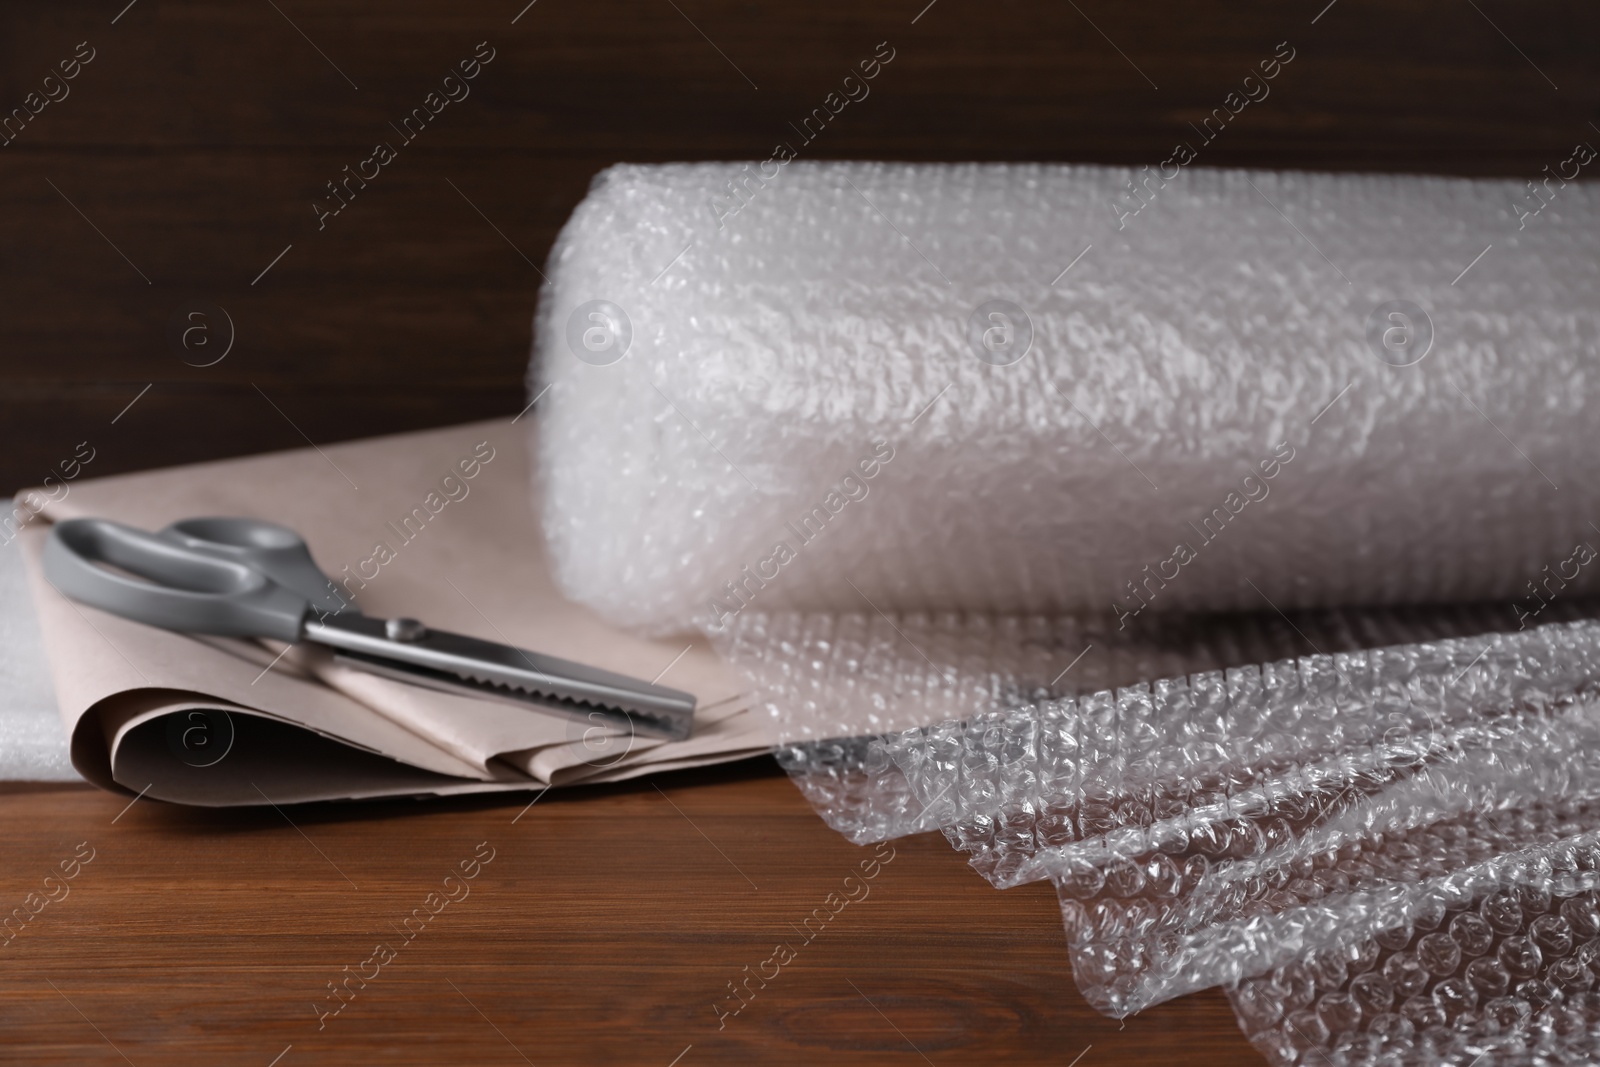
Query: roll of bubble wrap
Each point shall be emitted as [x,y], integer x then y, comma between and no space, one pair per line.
[924,443]
[1017,389]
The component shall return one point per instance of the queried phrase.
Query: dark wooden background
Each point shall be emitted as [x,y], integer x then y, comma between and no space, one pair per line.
[186,159]
[198,138]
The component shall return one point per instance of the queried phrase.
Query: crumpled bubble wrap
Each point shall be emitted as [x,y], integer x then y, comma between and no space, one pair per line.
[1470,940]
[1293,822]
[1217,373]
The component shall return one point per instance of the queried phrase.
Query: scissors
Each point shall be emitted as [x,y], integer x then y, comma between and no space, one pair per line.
[248,578]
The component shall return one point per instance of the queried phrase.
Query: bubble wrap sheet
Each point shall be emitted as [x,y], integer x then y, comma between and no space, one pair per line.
[977,473]
[33,743]
[1296,831]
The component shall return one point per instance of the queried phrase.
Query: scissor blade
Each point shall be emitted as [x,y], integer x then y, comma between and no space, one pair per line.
[457,663]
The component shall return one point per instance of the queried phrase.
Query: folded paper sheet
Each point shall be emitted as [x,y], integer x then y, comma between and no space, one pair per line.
[436,525]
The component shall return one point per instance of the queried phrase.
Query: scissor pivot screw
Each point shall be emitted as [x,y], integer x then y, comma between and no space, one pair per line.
[404,630]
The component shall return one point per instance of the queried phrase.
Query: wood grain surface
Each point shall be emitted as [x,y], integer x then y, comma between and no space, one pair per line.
[605,930]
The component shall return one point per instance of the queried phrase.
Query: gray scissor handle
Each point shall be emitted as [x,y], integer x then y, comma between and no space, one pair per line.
[184,590]
[276,551]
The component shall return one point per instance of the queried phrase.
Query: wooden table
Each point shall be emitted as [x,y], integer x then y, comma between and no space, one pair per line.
[604,929]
